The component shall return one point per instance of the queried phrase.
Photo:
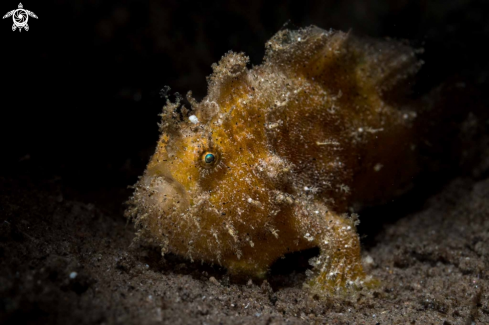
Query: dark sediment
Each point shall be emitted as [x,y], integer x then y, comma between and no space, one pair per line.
[433,266]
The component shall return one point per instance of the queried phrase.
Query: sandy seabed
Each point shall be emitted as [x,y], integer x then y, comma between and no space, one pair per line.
[68,262]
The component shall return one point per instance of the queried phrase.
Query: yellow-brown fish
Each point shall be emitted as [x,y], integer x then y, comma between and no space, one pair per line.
[274,157]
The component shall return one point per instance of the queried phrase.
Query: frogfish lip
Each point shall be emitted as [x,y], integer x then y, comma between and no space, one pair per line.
[165,193]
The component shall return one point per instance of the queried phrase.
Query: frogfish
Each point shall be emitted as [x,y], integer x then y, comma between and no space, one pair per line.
[277,158]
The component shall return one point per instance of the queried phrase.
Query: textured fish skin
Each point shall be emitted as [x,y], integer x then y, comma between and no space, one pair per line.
[323,125]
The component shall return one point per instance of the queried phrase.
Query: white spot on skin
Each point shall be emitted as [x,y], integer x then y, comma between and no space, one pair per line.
[73,275]
[193,119]
[272,126]
[274,232]
[328,142]
[378,167]
[254,203]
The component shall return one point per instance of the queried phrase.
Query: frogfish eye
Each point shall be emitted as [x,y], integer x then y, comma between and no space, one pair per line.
[209,159]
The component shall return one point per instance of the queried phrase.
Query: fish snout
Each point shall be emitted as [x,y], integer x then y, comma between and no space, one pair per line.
[165,193]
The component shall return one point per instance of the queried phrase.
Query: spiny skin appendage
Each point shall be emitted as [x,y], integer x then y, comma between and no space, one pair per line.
[274,156]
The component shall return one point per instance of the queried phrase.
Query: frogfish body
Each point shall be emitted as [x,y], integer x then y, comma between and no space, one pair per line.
[275,157]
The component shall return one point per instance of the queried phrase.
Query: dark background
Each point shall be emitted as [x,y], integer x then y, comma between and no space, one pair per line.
[80,89]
